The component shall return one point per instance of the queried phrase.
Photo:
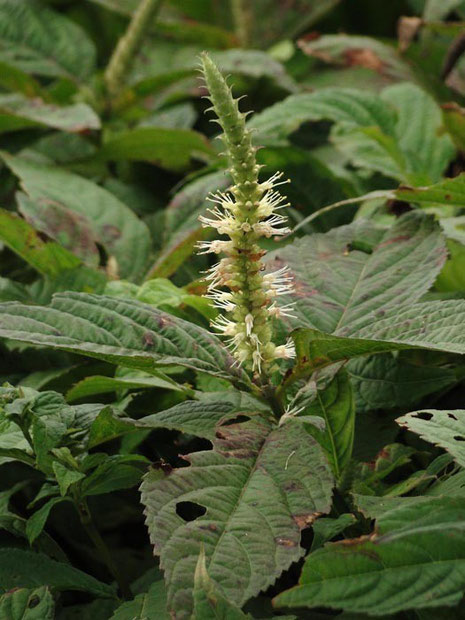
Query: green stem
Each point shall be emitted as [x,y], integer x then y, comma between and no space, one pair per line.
[242,18]
[93,533]
[128,46]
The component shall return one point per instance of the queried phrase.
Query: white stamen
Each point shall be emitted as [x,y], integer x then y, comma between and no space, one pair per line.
[248,324]
[285,351]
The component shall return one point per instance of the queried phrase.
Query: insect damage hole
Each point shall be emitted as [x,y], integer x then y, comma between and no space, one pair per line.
[190,511]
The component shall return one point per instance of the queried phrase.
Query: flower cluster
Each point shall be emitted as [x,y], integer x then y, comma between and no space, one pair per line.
[248,211]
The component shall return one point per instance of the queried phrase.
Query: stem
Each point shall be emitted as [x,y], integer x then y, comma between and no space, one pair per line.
[128,46]
[242,18]
[100,545]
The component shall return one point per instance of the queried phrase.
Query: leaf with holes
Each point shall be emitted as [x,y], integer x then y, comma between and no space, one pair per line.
[255,491]
[28,604]
[119,331]
[441,428]
[415,558]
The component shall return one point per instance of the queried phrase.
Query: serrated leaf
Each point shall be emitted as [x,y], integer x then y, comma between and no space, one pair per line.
[385,381]
[16,110]
[115,473]
[148,606]
[194,417]
[107,426]
[20,568]
[414,559]
[326,528]
[140,337]
[37,40]
[450,192]
[335,405]
[65,476]
[339,286]
[208,604]
[28,604]
[47,257]
[113,224]
[260,486]
[352,108]
[442,428]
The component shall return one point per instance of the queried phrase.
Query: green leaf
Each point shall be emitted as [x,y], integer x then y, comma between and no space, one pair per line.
[450,192]
[208,603]
[258,487]
[115,473]
[47,257]
[36,523]
[35,39]
[103,385]
[441,428]
[168,148]
[28,604]
[115,226]
[414,559]
[140,336]
[198,418]
[350,107]
[335,405]
[418,132]
[385,381]
[107,426]
[16,110]
[65,476]
[148,606]
[419,326]
[20,568]
[326,528]
[340,283]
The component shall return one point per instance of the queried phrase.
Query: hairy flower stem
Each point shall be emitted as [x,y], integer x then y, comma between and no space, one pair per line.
[128,46]
[246,213]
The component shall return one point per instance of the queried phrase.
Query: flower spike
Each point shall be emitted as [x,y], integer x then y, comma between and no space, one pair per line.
[248,211]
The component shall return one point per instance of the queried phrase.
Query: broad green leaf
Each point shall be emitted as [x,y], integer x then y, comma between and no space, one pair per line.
[162,293]
[36,523]
[438,9]
[418,132]
[37,40]
[441,428]
[417,326]
[13,291]
[258,487]
[108,426]
[335,405]
[119,331]
[169,148]
[148,606]
[28,604]
[208,603]
[15,80]
[357,273]
[47,257]
[353,108]
[452,276]
[414,559]
[115,226]
[16,109]
[198,418]
[385,381]
[26,569]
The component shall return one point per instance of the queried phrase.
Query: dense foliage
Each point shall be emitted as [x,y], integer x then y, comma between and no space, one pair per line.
[217,401]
